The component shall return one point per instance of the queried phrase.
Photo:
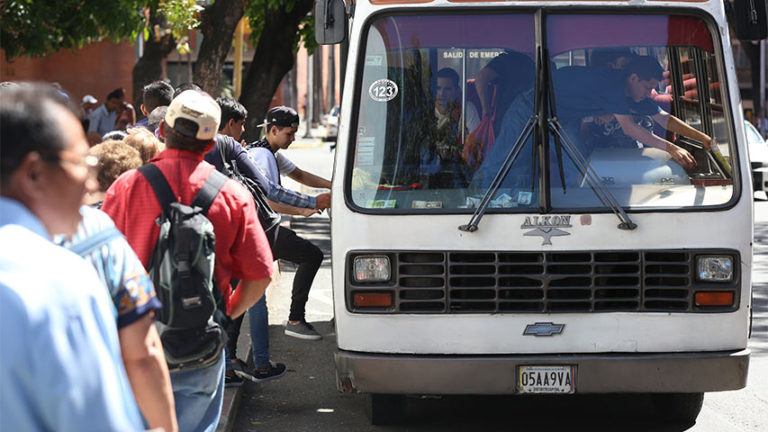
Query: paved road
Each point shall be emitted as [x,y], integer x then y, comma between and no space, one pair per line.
[306,398]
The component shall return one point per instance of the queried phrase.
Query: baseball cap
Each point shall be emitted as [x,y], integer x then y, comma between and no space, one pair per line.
[282,116]
[200,109]
[88,99]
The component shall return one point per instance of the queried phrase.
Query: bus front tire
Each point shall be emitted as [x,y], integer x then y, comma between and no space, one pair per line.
[678,407]
[387,409]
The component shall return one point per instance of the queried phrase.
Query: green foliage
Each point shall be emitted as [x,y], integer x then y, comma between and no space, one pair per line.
[307,33]
[38,27]
[255,11]
[182,16]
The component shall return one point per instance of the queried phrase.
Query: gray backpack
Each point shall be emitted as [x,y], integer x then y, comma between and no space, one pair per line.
[182,271]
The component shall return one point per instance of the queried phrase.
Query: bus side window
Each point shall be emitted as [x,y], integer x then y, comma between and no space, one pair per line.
[697,100]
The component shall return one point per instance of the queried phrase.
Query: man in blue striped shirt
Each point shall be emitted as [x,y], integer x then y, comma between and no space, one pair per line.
[60,359]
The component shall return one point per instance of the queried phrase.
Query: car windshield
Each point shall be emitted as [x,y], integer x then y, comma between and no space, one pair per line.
[753,136]
[445,99]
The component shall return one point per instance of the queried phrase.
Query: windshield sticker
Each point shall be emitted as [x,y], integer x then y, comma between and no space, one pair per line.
[374,60]
[484,54]
[524,198]
[503,201]
[426,204]
[383,90]
[546,227]
[365,147]
[380,204]
[473,202]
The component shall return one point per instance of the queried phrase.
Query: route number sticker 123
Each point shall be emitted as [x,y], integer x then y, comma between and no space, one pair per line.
[383,90]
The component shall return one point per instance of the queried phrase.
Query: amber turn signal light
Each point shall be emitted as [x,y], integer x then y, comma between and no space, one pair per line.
[714,298]
[373,300]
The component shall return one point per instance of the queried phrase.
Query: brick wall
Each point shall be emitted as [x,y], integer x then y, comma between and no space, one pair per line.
[96,69]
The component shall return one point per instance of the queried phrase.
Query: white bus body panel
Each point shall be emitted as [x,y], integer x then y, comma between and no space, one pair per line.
[479,334]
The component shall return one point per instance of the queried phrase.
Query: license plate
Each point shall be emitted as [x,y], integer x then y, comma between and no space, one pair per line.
[546,379]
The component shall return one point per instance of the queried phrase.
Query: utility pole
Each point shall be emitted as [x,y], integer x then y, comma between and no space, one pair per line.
[317,85]
[763,114]
[331,77]
[237,76]
[308,99]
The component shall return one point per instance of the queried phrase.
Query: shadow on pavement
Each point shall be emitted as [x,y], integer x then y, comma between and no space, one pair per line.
[306,399]
[758,342]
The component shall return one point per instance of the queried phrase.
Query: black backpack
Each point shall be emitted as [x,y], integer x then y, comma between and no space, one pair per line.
[269,219]
[182,271]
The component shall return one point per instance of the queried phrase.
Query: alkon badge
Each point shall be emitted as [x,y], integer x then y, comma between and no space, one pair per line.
[546,227]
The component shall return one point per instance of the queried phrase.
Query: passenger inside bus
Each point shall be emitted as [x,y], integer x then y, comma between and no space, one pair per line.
[430,155]
[500,81]
[451,127]
[497,84]
[604,131]
[583,94]
[448,111]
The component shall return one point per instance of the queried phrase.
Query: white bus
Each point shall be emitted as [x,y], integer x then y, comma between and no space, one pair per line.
[521,207]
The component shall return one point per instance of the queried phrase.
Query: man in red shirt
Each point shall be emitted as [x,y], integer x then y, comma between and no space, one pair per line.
[242,251]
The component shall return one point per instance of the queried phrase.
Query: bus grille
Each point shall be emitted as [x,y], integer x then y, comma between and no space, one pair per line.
[543,282]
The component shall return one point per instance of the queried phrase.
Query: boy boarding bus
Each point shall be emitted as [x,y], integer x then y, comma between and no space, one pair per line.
[540,197]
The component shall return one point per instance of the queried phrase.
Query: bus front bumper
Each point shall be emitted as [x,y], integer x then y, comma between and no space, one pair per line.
[594,373]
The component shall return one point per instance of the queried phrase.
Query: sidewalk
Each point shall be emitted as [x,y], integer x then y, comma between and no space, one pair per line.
[313,155]
[319,307]
[316,138]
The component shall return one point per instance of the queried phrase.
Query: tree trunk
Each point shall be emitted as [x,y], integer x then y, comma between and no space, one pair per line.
[150,66]
[218,23]
[272,59]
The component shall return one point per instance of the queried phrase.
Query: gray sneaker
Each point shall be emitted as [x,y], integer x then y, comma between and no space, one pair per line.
[302,330]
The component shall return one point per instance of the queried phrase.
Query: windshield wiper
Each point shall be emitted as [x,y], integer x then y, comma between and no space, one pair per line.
[582,164]
[585,169]
[500,176]
[546,94]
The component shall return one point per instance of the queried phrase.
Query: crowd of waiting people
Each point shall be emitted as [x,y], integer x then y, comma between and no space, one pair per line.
[81,350]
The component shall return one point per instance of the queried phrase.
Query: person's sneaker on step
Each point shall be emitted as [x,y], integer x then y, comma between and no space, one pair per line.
[260,374]
[231,379]
[302,330]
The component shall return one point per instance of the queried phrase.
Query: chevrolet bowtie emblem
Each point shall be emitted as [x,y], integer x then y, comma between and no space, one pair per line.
[543,329]
[546,227]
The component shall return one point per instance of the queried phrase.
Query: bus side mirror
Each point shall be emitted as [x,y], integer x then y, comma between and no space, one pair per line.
[750,19]
[330,22]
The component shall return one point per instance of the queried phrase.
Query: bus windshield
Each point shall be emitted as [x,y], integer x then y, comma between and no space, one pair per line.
[633,100]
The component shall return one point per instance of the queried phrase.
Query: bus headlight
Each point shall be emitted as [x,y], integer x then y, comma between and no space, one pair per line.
[714,268]
[372,268]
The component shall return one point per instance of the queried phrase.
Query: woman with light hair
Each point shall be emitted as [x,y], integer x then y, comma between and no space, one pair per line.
[115,157]
[145,142]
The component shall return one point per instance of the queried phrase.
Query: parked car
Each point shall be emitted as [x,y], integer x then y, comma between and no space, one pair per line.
[758,156]
[332,124]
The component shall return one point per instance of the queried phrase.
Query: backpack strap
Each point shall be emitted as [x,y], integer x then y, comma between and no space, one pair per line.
[159,184]
[89,244]
[208,192]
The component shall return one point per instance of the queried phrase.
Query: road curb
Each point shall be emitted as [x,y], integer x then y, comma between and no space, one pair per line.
[233,395]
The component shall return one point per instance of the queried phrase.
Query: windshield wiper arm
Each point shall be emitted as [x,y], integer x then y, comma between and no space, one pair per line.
[472,226]
[585,169]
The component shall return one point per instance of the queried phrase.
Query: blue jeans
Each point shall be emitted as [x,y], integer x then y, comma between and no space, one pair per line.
[199,397]
[258,319]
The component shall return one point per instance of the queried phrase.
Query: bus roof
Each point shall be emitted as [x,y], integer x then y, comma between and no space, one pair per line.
[516,31]
[402,2]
